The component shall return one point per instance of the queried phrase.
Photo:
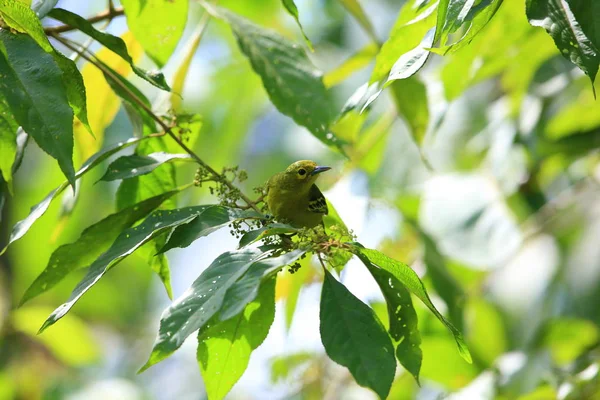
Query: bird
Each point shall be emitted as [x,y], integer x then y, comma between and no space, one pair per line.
[293,197]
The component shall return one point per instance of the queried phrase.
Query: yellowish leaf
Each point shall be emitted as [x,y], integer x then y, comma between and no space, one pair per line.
[102,103]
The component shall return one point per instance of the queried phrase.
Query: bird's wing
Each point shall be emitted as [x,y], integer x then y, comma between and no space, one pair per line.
[316,201]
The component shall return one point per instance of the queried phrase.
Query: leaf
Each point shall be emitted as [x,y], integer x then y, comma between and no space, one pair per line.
[409,63]
[292,82]
[159,262]
[225,288]
[354,337]
[411,280]
[129,166]
[404,328]
[201,302]
[454,16]
[405,36]
[371,146]
[126,243]
[270,230]
[556,17]
[224,347]
[114,43]
[157,25]
[21,18]
[283,366]
[8,141]
[210,219]
[35,93]
[75,88]
[482,14]
[410,97]
[406,66]
[296,282]
[245,289]
[139,188]
[356,62]
[39,209]
[24,20]
[291,8]
[93,241]
[104,104]
[354,7]
[184,66]
[443,282]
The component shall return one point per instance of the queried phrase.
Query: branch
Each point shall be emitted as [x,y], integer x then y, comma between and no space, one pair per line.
[109,14]
[162,124]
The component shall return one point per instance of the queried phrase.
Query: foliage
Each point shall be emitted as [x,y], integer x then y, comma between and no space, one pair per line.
[496,116]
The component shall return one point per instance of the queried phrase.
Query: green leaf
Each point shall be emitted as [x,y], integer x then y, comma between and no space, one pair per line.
[411,280]
[356,62]
[409,63]
[75,88]
[32,84]
[283,366]
[134,165]
[371,146]
[293,83]
[124,89]
[455,16]
[225,288]
[22,19]
[39,209]
[443,282]
[114,43]
[404,328]
[410,97]
[556,17]
[245,289]
[139,188]
[159,262]
[8,141]
[291,8]
[354,337]
[569,338]
[157,25]
[93,241]
[125,244]
[270,230]
[224,347]
[201,302]
[404,37]
[482,14]
[210,219]
[354,7]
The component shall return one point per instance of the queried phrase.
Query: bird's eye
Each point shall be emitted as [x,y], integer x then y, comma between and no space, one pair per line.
[301,172]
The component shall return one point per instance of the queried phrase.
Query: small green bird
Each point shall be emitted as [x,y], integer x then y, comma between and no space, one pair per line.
[293,197]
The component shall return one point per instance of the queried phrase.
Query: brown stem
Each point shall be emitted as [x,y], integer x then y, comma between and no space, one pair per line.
[109,14]
[162,124]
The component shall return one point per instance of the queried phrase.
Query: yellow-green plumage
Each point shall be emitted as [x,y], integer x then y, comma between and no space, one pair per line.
[293,197]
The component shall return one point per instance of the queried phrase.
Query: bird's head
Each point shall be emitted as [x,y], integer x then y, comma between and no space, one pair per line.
[303,173]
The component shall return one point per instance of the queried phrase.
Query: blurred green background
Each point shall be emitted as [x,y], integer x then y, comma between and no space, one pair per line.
[499,210]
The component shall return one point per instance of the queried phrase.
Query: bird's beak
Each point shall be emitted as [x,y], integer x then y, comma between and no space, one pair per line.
[318,170]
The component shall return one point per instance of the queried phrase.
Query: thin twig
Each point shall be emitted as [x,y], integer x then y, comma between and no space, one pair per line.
[109,14]
[162,124]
